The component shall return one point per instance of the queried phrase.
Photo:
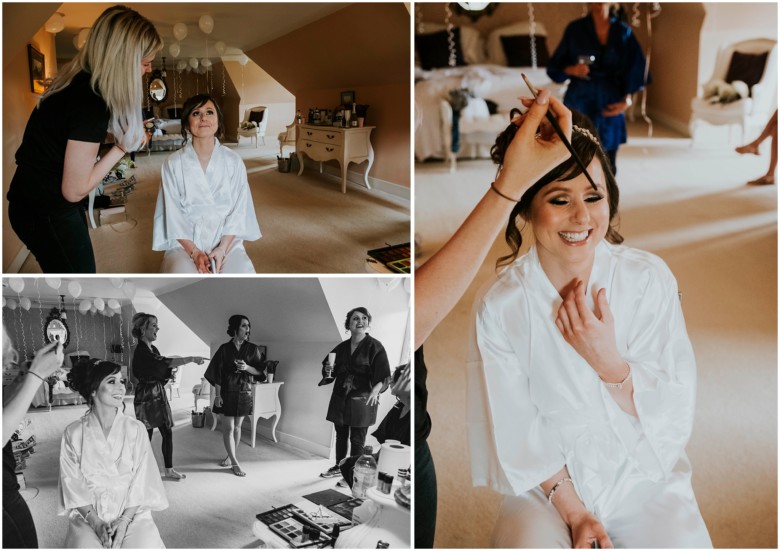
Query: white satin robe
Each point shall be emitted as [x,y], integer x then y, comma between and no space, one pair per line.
[202,207]
[536,405]
[111,474]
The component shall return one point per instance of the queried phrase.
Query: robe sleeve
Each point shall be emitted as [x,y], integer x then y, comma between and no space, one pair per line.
[561,57]
[146,487]
[74,491]
[336,369]
[634,64]
[213,372]
[241,221]
[663,371]
[149,363]
[380,366]
[513,448]
[170,220]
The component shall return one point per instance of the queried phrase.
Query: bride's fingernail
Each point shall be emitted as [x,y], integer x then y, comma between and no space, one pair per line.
[543,98]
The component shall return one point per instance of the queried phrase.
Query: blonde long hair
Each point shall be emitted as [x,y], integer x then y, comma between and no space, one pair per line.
[116,44]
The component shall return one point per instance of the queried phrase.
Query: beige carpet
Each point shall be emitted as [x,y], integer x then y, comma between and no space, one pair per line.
[719,237]
[212,508]
[308,225]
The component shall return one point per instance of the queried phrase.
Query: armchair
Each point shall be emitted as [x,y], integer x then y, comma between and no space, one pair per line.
[287,138]
[254,124]
[753,110]
[174,384]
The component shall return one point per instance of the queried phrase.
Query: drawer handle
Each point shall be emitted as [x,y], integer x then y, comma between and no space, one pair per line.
[308,145]
[330,136]
[308,133]
[329,149]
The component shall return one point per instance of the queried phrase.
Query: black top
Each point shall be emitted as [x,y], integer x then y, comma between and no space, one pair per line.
[394,427]
[222,367]
[10,484]
[149,365]
[74,113]
[422,421]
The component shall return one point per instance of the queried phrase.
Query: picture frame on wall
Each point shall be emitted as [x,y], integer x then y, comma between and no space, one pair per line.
[348,97]
[37,69]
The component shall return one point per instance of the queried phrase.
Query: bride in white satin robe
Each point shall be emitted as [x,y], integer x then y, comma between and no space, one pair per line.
[111,474]
[545,421]
[198,207]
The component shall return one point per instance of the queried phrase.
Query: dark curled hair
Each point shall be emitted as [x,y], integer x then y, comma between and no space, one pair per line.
[140,323]
[85,377]
[234,322]
[199,101]
[587,149]
[360,309]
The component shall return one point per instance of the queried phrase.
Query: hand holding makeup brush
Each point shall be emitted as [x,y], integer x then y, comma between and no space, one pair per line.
[536,148]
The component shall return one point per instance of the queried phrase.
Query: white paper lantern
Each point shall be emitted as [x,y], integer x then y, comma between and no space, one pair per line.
[243,59]
[84,306]
[193,63]
[174,49]
[53,282]
[220,47]
[180,31]
[25,303]
[206,23]
[74,288]
[81,38]
[55,23]
[11,303]
[17,284]
[99,303]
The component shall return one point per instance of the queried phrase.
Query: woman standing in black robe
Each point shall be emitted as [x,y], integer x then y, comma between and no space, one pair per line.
[361,372]
[152,371]
[232,370]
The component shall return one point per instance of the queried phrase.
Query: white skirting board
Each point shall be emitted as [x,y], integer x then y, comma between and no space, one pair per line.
[355,177]
[294,441]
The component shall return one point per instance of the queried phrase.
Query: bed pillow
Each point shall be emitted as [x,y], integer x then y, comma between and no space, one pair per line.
[495,50]
[749,68]
[434,52]
[517,49]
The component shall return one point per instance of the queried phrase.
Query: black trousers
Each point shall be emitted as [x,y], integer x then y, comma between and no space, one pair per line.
[424,497]
[18,526]
[167,444]
[59,240]
[356,436]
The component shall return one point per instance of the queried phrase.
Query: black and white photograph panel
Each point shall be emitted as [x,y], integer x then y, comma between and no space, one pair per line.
[206,413]
[600,287]
[231,137]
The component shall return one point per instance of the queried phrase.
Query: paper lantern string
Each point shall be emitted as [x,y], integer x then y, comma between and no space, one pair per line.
[223,79]
[418,18]
[453,58]
[532,33]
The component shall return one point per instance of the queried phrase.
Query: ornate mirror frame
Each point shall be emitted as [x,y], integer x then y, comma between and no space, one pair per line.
[56,329]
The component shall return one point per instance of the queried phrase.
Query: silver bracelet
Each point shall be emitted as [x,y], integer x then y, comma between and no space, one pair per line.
[619,385]
[557,485]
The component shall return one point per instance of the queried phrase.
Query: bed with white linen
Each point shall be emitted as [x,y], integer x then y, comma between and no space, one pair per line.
[487,78]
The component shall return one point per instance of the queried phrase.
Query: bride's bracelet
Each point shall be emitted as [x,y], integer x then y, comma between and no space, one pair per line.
[557,485]
[192,253]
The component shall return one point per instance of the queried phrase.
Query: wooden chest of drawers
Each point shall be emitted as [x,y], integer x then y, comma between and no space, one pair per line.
[345,145]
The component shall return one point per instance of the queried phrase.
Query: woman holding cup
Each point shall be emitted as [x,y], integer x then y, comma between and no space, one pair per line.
[359,369]
[232,370]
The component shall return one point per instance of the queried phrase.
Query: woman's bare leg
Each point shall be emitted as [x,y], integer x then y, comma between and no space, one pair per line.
[770,129]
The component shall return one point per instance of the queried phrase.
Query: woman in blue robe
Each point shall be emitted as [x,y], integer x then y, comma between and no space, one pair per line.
[604,64]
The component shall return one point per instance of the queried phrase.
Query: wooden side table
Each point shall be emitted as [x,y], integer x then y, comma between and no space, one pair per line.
[345,145]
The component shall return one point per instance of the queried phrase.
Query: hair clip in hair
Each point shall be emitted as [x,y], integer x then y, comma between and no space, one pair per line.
[587,133]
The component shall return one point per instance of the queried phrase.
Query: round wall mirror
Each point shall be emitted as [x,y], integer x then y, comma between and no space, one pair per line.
[158,90]
[56,330]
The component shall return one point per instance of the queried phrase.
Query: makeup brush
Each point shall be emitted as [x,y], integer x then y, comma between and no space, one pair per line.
[560,133]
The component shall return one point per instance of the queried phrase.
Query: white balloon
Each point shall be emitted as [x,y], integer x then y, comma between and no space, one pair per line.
[92,310]
[16,284]
[116,281]
[205,62]
[53,282]
[11,303]
[193,63]
[25,303]
[99,304]
[174,49]
[113,304]
[130,290]
[76,42]
[55,23]
[220,47]
[84,306]
[243,59]
[206,23]
[3,302]
[181,64]
[74,288]
[180,31]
